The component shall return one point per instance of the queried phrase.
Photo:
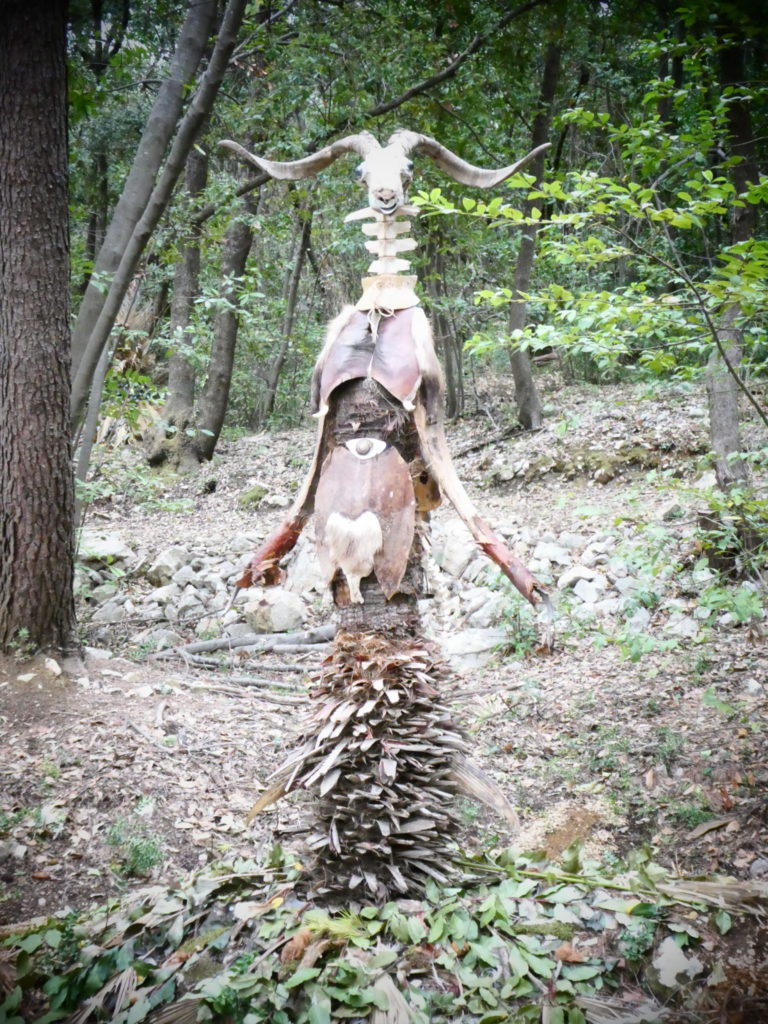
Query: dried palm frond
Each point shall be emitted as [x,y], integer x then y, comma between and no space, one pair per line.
[384,756]
[474,782]
[728,893]
[617,1011]
[183,1011]
[120,988]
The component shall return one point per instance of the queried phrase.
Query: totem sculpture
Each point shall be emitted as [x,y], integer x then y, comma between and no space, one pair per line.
[380,748]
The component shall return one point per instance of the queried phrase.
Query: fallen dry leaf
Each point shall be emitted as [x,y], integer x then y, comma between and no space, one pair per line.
[568,955]
[294,949]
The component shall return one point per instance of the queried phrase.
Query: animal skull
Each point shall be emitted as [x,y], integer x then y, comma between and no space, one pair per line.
[386,171]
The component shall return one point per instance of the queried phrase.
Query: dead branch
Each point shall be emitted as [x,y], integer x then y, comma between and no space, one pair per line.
[260,641]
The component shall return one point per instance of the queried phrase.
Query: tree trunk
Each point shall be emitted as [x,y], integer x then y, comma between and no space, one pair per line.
[213,401]
[723,399]
[170,440]
[92,330]
[446,341]
[36,492]
[526,392]
[290,297]
[722,386]
[141,179]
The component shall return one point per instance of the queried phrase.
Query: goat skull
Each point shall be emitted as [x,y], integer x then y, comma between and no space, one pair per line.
[386,171]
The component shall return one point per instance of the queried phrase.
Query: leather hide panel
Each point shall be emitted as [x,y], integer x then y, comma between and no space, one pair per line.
[392,360]
[350,486]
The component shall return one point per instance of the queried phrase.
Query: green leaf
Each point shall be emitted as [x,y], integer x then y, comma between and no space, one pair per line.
[723,921]
[30,942]
[301,975]
[416,929]
[53,938]
[580,972]
[318,1014]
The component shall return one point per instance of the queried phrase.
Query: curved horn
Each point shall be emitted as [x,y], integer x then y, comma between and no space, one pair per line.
[457,168]
[362,144]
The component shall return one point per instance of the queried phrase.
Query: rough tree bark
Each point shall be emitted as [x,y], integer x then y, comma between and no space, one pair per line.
[722,387]
[301,247]
[170,440]
[36,492]
[98,317]
[209,418]
[526,392]
[445,335]
[142,177]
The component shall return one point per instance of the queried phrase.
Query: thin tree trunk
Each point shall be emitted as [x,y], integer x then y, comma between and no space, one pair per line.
[36,489]
[141,179]
[722,386]
[290,297]
[215,396]
[445,335]
[526,392]
[170,439]
[91,343]
[723,399]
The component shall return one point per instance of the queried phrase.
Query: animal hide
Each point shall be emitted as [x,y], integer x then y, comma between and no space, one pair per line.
[353,493]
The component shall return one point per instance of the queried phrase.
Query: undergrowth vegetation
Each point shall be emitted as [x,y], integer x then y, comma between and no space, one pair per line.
[515,938]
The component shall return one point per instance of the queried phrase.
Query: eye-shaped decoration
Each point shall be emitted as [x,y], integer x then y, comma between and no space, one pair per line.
[359,170]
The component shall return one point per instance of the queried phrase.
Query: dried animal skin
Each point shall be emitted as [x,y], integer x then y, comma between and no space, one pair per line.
[351,545]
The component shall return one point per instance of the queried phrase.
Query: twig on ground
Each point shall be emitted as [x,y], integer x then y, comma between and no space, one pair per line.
[260,641]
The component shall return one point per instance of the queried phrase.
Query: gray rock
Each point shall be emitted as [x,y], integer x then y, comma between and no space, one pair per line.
[103,548]
[683,626]
[185,576]
[608,606]
[104,591]
[759,867]
[471,648]
[276,500]
[638,621]
[235,629]
[574,574]
[550,552]
[626,585]
[243,544]
[573,541]
[166,564]
[452,547]
[164,595]
[705,482]
[98,653]
[275,610]
[113,610]
[162,639]
[586,591]
[303,572]
[672,510]
[482,607]
[190,603]
[226,570]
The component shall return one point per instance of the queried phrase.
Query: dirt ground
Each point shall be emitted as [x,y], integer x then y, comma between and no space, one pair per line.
[128,768]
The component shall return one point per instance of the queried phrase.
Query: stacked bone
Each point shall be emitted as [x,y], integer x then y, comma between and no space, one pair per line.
[386,289]
[385,231]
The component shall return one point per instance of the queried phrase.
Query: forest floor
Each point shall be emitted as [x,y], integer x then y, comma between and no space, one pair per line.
[126,768]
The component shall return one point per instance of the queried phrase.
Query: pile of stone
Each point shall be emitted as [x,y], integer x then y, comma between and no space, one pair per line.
[188,588]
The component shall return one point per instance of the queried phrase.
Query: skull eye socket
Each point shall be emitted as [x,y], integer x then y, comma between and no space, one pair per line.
[359,172]
[408,172]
